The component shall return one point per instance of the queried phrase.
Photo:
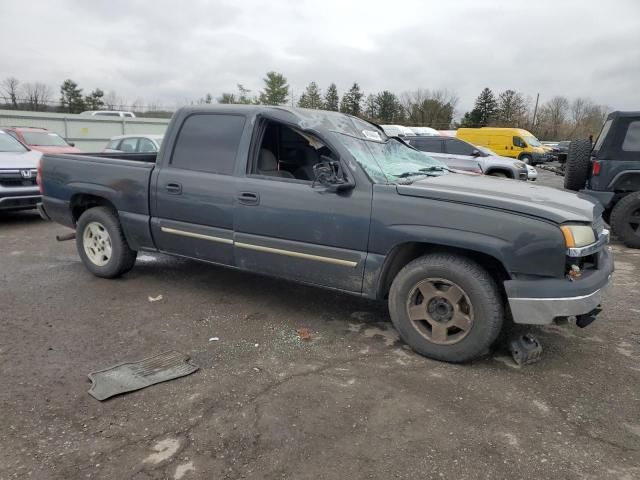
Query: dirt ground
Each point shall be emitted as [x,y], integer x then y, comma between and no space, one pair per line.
[351,402]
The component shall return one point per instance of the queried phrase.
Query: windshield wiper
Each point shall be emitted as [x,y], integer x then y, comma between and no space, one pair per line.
[437,168]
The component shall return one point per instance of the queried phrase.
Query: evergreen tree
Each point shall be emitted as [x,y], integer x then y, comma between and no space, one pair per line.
[512,108]
[352,101]
[331,98]
[71,97]
[94,101]
[388,107]
[276,89]
[472,119]
[486,105]
[311,97]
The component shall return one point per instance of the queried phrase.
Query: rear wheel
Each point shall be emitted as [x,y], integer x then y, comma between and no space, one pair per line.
[625,220]
[446,307]
[577,166]
[101,243]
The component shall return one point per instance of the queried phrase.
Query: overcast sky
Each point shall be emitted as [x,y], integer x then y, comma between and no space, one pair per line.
[169,52]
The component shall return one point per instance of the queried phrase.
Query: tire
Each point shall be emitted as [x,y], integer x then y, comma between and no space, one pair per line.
[625,220]
[102,245]
[499,174]
[527,159]
[577,166]
[424,287]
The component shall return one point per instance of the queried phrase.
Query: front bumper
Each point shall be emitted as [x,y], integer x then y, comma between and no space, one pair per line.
[541,301]
[22,202]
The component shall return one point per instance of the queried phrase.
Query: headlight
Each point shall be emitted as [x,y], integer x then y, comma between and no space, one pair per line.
[519,164]
[578,235]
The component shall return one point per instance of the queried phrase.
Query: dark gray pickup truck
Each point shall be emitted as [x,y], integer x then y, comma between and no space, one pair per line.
[329,200]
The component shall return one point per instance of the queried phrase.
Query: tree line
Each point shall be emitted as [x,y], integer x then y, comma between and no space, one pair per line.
[557,118]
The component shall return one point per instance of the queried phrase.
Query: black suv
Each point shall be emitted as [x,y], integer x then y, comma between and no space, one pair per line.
[610,172]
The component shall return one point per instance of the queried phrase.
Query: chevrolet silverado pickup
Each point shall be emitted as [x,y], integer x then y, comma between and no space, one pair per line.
[327,199]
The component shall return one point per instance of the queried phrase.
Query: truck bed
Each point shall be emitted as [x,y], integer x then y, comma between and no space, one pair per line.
[120,178]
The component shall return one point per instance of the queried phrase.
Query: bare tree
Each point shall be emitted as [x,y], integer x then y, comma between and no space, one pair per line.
[552,117]
[11,87]
[37,95]
[434,108]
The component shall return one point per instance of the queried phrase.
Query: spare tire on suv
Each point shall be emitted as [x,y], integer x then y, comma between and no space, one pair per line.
[577,166]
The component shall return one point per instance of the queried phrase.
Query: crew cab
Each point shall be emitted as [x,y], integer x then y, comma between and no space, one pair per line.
[327,199]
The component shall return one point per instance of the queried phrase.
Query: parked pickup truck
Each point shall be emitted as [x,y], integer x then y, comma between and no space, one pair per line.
[328,199]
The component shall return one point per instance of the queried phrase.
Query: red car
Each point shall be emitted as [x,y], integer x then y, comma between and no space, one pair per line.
[41,139]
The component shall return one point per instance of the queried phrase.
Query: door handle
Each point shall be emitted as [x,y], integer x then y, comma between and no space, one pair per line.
[174,188]
[249,198]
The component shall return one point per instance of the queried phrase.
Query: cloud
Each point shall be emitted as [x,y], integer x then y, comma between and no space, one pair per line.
[171,52]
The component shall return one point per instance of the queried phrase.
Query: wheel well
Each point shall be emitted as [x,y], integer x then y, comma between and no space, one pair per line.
[83,202]
[401,255]
[508,173]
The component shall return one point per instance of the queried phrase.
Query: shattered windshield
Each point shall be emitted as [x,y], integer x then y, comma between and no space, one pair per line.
[392,161]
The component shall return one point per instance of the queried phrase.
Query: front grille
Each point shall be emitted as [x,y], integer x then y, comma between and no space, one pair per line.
[17,182]
[16,177]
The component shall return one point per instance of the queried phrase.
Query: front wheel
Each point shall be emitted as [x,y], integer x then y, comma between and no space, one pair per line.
[101,243]
[527,159]
[446,307]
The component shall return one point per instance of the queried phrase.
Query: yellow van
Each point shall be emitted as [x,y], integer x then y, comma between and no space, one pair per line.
[507,142]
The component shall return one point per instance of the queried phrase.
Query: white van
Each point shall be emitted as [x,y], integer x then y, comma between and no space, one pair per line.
[109,113]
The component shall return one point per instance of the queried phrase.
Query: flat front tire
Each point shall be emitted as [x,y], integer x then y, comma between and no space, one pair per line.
[102,245]
[446,307]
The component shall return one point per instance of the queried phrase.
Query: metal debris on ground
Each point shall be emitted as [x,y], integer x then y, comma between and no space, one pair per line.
[214,339]
[304,334]
[525,349]
[155,299]
[130,376]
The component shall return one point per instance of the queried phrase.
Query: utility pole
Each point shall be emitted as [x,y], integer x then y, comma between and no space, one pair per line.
[535,111]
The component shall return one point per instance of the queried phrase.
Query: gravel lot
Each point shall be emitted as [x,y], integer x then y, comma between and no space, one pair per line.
[353,402]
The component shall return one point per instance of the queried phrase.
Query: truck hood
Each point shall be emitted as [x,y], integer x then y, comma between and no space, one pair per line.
[12,160]
[519,197]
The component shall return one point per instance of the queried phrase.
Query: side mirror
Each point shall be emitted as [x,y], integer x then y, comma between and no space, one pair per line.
[476,153]
[329,174]
[71,144]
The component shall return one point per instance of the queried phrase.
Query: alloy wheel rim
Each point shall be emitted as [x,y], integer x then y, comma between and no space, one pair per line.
[97,243]
[440,311]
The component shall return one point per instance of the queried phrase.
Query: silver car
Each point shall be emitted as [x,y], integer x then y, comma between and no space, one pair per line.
[18,170]
[458,154]
[134,143]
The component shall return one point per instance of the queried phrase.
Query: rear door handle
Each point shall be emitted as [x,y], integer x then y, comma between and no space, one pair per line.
[174,188]
[249,198]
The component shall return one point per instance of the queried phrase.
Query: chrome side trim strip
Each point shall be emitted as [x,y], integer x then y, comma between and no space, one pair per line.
[289,253]
[227,241]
